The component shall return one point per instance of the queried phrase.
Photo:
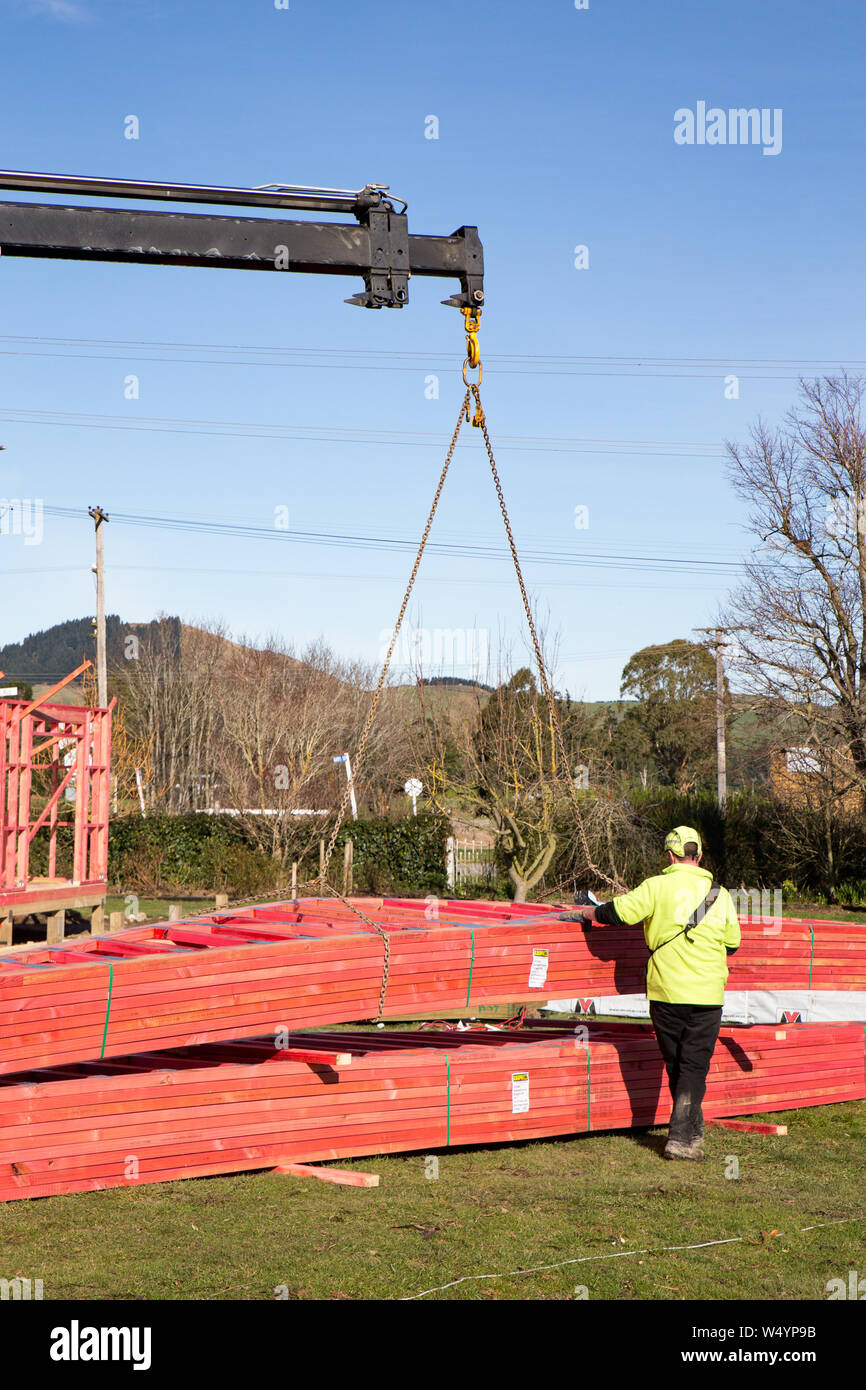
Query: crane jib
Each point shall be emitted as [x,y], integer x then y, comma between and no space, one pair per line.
[376,246]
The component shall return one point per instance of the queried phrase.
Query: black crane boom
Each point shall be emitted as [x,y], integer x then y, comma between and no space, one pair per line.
[376,246]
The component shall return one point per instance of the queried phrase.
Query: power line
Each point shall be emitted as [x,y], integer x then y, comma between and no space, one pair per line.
[384,359]
[647,448]
[358,577]
[582,537]
[450,549]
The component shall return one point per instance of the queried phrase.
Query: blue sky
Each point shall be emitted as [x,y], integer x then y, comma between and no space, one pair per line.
[556,130]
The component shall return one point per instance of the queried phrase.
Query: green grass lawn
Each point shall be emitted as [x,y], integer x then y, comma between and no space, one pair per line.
[491,1211]
[157,908]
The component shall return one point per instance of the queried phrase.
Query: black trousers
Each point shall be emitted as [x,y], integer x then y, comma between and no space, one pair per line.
[687,1035]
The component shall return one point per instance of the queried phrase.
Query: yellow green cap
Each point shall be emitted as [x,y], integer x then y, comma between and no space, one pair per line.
[681,836]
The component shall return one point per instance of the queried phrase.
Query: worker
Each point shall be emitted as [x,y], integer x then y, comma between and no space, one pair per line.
[690,928]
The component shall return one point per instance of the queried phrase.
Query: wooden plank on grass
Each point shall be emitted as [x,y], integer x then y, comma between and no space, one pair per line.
[343,1176]
[747,1126]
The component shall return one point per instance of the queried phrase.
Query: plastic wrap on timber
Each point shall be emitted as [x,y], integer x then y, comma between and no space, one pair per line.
[224,1108]
[314,962]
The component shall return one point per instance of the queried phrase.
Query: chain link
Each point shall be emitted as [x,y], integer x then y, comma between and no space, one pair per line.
[249,900]
[480,421]
[386,965]
[374,704]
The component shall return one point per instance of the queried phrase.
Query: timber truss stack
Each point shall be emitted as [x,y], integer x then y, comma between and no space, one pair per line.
[140,1056]
[54,781]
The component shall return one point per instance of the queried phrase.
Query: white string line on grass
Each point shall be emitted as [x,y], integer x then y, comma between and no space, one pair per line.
[615,1255]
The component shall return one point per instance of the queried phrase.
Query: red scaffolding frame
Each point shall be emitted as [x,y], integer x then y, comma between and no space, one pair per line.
[47,750]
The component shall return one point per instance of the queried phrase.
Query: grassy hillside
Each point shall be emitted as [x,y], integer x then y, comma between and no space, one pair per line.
[45,657]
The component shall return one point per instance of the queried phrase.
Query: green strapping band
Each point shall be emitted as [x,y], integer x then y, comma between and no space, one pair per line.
[471,963]
[811,953]
[588,1090]
[447,1099]
[107,1006]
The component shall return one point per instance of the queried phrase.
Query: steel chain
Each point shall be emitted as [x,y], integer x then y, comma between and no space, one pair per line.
[480,421]
[374,705]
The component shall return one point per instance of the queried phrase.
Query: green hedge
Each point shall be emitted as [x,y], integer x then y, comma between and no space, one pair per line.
[760,842]
[395,856]
[196,852]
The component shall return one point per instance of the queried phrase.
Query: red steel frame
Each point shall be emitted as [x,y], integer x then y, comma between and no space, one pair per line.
[39,737]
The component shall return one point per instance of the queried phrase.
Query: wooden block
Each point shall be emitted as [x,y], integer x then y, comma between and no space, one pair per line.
[748,1126]
[324,1059]
[222,900]
[56,926]
[115,921]
[173,912]
[337,1175]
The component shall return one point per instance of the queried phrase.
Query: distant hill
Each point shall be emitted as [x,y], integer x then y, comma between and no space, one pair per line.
[46,657]
[461,681]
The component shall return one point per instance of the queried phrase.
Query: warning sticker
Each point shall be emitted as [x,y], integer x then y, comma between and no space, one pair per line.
[519,1092]
[538,969]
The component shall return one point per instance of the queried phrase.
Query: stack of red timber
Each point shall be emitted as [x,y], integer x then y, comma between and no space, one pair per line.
[791,953]
[315,962]
[229,1107]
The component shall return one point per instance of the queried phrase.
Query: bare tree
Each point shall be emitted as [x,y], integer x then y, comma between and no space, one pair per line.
[283,717]
[500,760]
[275,724]
[803,605]
[168,692]
[388,759]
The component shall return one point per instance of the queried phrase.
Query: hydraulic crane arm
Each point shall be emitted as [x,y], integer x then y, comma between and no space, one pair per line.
[377,245]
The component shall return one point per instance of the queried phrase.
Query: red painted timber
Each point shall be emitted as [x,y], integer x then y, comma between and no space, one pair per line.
[228,1108]
[314,962]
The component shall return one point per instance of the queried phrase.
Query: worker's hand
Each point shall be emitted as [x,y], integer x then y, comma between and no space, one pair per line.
[586,917]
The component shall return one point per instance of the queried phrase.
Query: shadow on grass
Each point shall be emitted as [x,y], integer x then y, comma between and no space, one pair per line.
[646,1139]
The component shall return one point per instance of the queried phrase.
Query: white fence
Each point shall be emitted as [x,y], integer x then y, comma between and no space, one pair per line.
[468,859]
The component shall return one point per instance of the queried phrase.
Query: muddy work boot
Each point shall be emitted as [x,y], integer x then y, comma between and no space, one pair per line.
[685,1136]
[689,1149]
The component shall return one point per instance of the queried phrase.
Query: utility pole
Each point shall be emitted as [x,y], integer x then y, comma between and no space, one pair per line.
[721,748]
[99,517]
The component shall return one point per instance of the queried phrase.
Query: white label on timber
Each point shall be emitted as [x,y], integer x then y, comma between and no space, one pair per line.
[538,969]
[519,1092]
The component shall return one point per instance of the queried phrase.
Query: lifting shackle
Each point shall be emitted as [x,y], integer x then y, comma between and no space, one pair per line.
[472,319]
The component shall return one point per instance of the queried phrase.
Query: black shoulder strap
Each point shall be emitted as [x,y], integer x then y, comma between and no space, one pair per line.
[696,918]
[702,908]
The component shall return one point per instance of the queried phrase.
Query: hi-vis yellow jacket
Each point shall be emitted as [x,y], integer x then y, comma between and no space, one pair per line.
[685,971]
